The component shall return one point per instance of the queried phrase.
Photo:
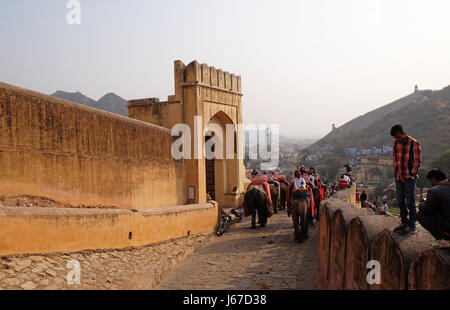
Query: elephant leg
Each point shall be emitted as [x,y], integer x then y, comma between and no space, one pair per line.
[295,220]
[305,219]
[254,219]
[262,213]
[309,216]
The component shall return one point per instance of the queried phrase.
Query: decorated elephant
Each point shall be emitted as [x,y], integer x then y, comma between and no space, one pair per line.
[300,209]
[256,200]
[284,186]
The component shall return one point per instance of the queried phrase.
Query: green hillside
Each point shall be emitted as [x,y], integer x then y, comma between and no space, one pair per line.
[425,115]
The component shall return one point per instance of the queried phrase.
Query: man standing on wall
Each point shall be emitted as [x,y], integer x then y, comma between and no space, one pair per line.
[406,152]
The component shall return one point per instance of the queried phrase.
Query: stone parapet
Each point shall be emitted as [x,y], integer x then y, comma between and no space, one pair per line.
[350,237]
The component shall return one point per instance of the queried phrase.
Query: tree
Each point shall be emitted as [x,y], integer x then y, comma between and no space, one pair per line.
[442,162]
[323,170]
[379,189]
[390,174]
[333,163]
[376,171]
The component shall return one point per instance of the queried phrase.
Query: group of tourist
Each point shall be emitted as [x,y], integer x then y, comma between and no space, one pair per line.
[309,180]
[380,208]
[303,177]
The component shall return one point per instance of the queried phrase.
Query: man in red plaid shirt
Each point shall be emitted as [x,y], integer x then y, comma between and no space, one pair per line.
[407,161]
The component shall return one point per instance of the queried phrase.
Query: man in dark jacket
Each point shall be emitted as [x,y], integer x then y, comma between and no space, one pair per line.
[434,214]
[363,199]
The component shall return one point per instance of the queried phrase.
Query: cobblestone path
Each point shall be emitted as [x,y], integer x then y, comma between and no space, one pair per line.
[135,268]
[266,258]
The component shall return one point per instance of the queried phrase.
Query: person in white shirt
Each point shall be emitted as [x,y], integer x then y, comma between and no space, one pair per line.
[299,182]
[347,178]
[386,207]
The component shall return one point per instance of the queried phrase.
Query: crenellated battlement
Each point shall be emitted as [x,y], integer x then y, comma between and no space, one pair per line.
[218,87]
[202,74]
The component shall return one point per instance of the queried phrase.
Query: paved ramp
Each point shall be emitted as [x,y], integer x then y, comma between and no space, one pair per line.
[246,259]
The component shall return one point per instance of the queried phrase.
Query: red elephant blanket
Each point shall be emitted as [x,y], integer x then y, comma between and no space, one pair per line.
[313,209]
[266,188]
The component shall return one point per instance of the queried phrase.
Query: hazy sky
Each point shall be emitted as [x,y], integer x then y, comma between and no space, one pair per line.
[304,64]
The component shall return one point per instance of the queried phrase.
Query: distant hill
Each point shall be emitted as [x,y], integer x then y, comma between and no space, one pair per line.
[109,102]
[295,141]
[113,103]
[425,115]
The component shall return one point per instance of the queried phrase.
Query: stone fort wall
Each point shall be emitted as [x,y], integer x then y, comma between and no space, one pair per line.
[78,155]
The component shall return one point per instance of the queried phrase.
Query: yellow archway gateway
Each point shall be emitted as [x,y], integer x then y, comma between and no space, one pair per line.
[214,96]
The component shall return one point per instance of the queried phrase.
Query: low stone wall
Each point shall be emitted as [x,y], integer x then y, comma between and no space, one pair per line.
[350,237]
[49,230]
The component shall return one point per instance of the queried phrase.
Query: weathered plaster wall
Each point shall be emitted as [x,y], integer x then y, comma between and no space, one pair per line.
[78,155]
[166,114]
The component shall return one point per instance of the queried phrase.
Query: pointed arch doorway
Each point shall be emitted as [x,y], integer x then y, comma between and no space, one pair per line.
[222,172]
[210,175]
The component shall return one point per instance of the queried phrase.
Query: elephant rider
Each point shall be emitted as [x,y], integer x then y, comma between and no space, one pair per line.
[311,177]
[299,182]
[302,169]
